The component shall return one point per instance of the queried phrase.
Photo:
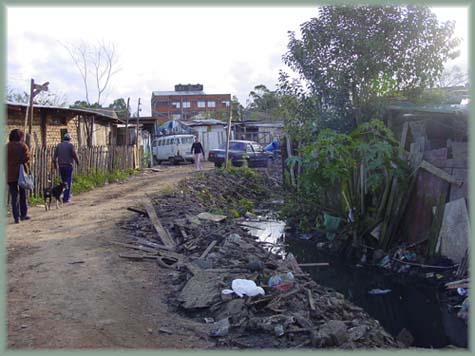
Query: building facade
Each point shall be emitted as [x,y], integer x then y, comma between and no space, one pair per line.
[189,100]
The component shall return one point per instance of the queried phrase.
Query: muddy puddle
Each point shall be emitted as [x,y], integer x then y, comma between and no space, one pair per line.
[396,302]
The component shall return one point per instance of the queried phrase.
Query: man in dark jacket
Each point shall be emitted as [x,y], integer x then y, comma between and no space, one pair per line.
[64,157]
[17,154]
[198,150]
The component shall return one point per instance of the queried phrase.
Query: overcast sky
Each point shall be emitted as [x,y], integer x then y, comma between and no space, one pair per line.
[228,50]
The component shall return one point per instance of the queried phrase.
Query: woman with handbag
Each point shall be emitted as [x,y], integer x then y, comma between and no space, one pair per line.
[17,155]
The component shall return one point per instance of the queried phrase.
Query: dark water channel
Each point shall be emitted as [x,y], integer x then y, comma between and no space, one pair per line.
[418,307]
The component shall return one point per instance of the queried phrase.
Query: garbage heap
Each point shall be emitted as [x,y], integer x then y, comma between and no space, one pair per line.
[244,294]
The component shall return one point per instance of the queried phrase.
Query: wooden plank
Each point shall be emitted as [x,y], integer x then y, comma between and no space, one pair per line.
[311,302]
[153,244]
[315,264]
[137,257]
[449,284]
[450,163]
[402,146]
[457,192]
[162,233]
[439,173]
[135,210]
[135,247]
[208,249]
[436,224]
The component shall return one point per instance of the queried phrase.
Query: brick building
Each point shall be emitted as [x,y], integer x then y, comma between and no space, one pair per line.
[189,100]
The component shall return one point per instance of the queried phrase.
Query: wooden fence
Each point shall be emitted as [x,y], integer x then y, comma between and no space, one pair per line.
[91,159]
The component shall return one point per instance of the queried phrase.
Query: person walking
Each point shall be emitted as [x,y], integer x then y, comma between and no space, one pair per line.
[198,150]
[64,157]
[17,154]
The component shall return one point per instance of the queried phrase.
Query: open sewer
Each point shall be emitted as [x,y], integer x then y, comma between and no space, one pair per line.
[397,303]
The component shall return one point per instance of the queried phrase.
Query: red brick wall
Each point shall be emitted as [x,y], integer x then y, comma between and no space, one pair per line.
[159,105]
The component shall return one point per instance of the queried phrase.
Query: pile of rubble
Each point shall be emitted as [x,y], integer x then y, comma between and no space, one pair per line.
[245,294]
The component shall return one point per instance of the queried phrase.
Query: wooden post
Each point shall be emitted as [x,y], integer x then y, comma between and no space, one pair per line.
[228,134]
[29,111]
[127,123]
[137,128]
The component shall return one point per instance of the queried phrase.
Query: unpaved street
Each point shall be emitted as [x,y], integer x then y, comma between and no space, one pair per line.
[67,287]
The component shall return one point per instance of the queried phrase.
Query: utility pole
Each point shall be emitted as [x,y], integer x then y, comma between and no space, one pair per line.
[228,134]
[127,123]
[137,128]
[35,89]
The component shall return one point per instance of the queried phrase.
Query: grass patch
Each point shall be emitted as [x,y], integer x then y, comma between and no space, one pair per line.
[82,183]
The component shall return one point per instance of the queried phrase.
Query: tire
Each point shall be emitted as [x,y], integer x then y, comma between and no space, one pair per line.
[155,161]
[218,165]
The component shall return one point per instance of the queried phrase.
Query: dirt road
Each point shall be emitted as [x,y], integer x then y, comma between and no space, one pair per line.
[67,287]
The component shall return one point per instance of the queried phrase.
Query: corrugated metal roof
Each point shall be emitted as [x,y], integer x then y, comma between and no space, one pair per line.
[101,112]
[199,122]
[441,109]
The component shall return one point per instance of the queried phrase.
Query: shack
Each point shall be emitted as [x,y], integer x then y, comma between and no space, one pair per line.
[435,137]
[211,132]
[91,127]
[263,132]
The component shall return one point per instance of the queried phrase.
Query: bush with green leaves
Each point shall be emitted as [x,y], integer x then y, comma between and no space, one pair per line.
[330,172]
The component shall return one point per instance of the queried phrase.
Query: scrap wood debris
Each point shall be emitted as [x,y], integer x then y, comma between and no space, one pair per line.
[213,259]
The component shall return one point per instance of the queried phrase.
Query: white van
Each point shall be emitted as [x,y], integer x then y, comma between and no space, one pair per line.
[173,148]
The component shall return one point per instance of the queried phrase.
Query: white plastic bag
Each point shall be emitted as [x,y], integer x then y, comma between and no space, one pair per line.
[25,180]
[246,287]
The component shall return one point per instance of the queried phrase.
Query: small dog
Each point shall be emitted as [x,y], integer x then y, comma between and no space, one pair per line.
[54,192]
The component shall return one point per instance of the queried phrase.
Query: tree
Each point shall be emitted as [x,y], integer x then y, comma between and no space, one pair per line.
[350,55]
[43,98]
[236,109]
[453,76]
[263,100]
[120,107]
[96,64]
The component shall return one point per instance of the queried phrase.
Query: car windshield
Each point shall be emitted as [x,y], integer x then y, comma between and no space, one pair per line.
[235,146]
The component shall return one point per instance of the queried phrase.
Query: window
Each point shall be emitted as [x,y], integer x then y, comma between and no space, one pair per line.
[63,132]
[201,104]
[186,104]
[176,104]
[169,141]
[249,148]
[226,103]
[211,104]
[257,148]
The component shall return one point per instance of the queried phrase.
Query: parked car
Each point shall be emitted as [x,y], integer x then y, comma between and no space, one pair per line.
[173,148]
[239,151]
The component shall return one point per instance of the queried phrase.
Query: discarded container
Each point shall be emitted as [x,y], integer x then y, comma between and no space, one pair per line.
[331,224]
[233,238]
[282,282]
[279,330]
[462,292]
[385,262]
[281,278]
[246,287]
[379,291]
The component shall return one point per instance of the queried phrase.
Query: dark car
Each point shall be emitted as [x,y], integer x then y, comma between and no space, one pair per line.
[239,151]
